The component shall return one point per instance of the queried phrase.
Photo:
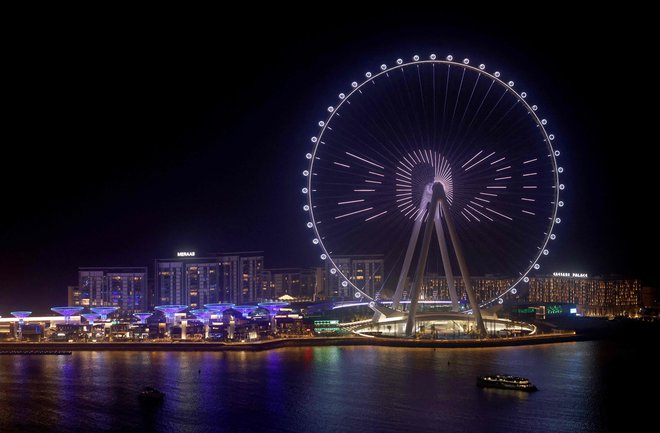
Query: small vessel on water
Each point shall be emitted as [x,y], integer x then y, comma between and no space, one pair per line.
[505,381]
[149,394]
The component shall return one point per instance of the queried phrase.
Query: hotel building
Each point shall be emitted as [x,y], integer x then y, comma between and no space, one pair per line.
[594,296]
[300,283]
[365,271]
[195,281]
[125,288]
[487,287]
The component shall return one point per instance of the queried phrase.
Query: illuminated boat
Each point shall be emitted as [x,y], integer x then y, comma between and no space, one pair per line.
[504,381]
[149,394]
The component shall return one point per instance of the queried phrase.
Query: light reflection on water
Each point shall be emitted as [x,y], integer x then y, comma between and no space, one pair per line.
[316,389]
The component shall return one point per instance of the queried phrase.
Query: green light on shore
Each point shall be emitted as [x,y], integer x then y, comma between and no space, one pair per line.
[554,309]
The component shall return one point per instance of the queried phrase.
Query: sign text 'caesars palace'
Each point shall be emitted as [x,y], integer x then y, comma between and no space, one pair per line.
[570,274]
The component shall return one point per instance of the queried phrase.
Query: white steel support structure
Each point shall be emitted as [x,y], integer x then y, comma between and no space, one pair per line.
[434,203]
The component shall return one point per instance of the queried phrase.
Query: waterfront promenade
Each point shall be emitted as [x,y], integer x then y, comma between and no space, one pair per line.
[294,342]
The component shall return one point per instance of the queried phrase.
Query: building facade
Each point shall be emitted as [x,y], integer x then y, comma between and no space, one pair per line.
[299,283]
[195,281]
[365,271]
[594,296]
[125,288]
[487,287]
[251,268]
[73,296]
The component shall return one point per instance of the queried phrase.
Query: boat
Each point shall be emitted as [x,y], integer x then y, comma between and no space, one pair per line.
[149,394]
[505,381]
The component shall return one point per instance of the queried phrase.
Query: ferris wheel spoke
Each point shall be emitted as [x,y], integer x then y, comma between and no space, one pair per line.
[467,106]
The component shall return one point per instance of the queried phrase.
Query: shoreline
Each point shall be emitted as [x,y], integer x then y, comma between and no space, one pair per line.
[295,342]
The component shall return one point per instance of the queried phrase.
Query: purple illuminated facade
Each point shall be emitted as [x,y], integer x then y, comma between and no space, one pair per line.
[170,311]
[104,311]
[90,317]
[142,317]
[273,307]
[20,315]
[67,312]
[218,308]
[203,314]
[245,309]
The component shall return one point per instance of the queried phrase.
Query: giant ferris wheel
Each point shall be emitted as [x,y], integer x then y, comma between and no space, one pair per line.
[433,145]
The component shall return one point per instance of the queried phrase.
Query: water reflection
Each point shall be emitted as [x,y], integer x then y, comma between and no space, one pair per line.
[316,389]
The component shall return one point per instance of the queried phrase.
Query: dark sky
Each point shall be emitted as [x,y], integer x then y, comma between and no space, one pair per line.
[129,136]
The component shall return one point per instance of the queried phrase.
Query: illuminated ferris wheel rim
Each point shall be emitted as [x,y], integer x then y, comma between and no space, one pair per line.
[449,61]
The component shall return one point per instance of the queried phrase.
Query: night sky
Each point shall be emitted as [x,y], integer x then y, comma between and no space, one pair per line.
[128,137]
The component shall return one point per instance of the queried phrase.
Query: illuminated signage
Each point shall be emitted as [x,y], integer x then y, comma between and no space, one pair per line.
[185,254]
[570,274]
[326,322]
[554,309]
